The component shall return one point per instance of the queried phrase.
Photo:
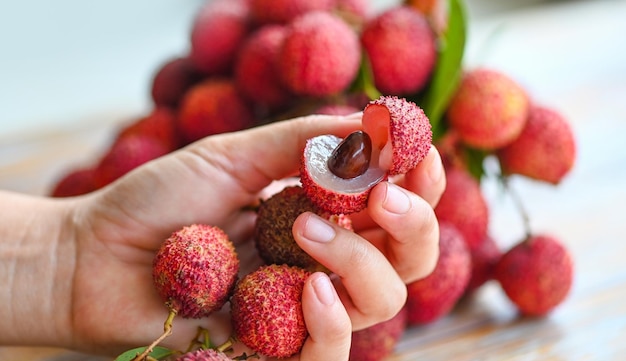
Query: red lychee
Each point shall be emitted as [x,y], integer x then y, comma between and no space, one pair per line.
[204,355]
[171,80]
[545,149]
[218,31]
[74,183]
[434,296]
[377,342]
[211,107]
[284,11]
[400,46]
[337,109]
[463,205]
[159,124]
[536,274]
[320,55]
[484,259]
[195,270]
[126,154]
[488,110]
[266,310]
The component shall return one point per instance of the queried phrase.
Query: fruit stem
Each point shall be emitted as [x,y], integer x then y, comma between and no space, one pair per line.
[202,339]
[226,345]
[167,330]
[518,204]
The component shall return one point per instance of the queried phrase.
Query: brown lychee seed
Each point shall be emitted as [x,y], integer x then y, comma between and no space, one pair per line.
[352,156]
[195,270]
[266,309]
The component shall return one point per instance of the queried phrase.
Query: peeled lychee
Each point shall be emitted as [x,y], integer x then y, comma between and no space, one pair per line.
[320,55]
[484,259]
[377,342]
[266,310]
[284,11]
[159,124]
[172,80]
[400,46]
[273,228]
[204,355]
[75,182]
[545,150]
[463,205]
[536,274]
[211,107]
[488,110]
[434,296]
[195,270]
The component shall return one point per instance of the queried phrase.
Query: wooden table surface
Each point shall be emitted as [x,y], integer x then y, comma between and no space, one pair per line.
[569,55]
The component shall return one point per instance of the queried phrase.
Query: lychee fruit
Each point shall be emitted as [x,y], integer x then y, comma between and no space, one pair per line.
[464,205]
[434,296]
[536,274]
[284,11]
[338,174]
[488,110]
[266,309]
[320,55]
[172,80]
[400,46]
[256,71]
[195,270]
[160,124]
[74,183]
[211,107]
[273,228]
[204,355]
[545,149]
[378,341]
[126,154]
[337,109]
[353,11]
[217,33]
[484,259]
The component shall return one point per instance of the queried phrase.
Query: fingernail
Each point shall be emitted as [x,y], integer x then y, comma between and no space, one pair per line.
[324,290]
[318,230]
[396,200]
[435,169]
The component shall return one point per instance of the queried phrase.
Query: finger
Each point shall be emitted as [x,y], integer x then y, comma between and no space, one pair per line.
[328,323]
[409,233]
[428,179]
[367,284]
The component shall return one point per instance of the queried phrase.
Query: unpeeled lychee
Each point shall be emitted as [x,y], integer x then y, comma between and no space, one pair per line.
[488,110]
[266,309]
[273,234]
[204,355]
[160,124]
[434,296]
[545,150]
[400,46]
[401,136]
[378,341]
[484,259]
[75,182]
[536,274]
[320,55]
[171,80]
[195,270]
[284,11]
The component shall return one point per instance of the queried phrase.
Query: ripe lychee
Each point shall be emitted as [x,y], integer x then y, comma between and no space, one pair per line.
[320,55]
[400,136]
[488,110]
[464,205]
[434,296]
[400,46]
[284,11]
[337,109]
[484,259]
[204,355]
[273,228]
[74,182]
[126,154]
[195,270]
[171,80]
[266,310]
[536,274]
[211,107]
[377,342]
[217,33]
[545,149]
[353,11]
[160,124]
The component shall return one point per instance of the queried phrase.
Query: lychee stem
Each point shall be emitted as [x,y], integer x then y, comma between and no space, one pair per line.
[518,204]
[226,345]
[167,330]
[202,339]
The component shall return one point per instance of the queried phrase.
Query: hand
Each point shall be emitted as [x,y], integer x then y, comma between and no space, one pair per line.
[119,228]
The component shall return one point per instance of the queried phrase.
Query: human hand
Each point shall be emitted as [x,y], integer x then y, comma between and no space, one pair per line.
[212,181]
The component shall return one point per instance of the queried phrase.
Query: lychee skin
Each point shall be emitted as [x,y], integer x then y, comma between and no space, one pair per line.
[545,149]
[172,80]
[74,183]
[433,297]
[536,274]
[320,55]
[195,270]
[484,259]
[400,46]
[204,355]
[160,124]
[488,110]
[463,205]
[211,107]
[266,310]
[377,342]
[284,11]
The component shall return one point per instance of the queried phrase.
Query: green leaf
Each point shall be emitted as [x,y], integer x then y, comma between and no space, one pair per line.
[158,353]
[449,67]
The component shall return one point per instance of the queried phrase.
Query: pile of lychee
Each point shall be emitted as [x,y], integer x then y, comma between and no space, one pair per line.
[252,62]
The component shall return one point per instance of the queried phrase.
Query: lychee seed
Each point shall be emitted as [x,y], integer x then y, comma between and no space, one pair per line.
[352,156]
